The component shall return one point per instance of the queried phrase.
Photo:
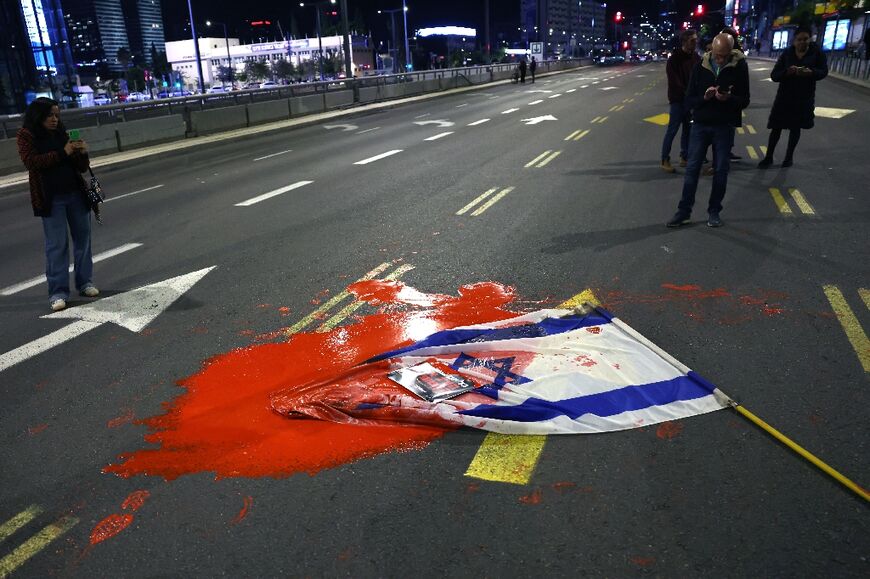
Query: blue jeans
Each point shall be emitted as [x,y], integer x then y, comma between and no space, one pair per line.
[702,137]
[679,116]
[70,216]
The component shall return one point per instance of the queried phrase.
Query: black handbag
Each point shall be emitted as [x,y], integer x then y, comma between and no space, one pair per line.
[95,196]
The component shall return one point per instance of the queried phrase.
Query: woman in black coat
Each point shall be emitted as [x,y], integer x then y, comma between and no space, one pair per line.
[796,71]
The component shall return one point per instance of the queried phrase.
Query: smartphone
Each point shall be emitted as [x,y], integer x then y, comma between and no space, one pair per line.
[721,90]
[74,135]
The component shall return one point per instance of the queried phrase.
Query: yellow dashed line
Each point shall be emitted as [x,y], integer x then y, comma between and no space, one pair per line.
[548,159]
[492,201]
[801,202]
[740,130]
[18,521]
[351,308]
[595,120]
[538,158]
[35,544]
[572,135]
[865,295]
[477,200]
[751,129]
[854,331]
[751,150]
[512,458]
[763,149]
[581,135]
[781,203]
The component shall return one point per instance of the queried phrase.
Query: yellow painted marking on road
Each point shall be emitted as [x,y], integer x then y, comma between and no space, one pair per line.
[865,295]
[613,108]
[662,119]
[832,113]
[619,107]
[477,200]
[492,201]
[331,302]
[548,159]
[594,120]
[751,150]
[602,119]
[751,129]
[572,135]
[35,544]
[581,135]
[801,202]
[740,130]
[538,158]
[781,203]
[854,331]
[18,521]
[351,308]
[512,458]
[763,149]
[743,114]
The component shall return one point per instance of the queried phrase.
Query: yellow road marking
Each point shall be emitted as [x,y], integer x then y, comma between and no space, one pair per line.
[743,114]
[538,158]
[751,150]
[548,159]
[661,119]
[331,302]
[603,119]
[740,130]
[802,204]
[18,521]
[35,544]
[581,135]
[572,135]
[865,295]
[351,308]
[512,458]
[854,331]
[595,120]
[492,201]
[751,129]
[478,200]
[781,203]
[763,149]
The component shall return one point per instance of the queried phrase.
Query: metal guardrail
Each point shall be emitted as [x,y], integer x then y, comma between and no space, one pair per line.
[852,66]
[122,112]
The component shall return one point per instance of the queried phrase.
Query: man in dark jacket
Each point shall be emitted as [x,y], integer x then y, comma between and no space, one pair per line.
[718,90]
[679,70]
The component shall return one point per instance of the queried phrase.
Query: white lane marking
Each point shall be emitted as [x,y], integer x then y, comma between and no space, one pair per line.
[271,194]
[40,345]
[557,95]
[38,280]
[378,157]
[438,136]
[273,155]
[133,193]
[760,68]
[608,88]
[368,130]
[492,97]
[480,122]
[571,90]
[596,82]
[509,111]
[832,113]
[585,86]
[535,102]
[462,105]
[423,115]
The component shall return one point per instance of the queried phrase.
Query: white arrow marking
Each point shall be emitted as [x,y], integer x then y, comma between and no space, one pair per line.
[608,88]
[133,310]
[536,120]
[439,122]
[342,127]
[39,279]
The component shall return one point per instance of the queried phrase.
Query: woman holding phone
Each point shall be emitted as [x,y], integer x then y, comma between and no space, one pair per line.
[58,194]
[796,71]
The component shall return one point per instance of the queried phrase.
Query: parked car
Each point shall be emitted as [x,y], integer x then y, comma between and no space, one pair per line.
[269,84]
[102,98]
[217,89]
[138,97]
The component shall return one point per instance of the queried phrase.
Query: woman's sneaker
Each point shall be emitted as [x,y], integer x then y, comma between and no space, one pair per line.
[90,292]
[58,305]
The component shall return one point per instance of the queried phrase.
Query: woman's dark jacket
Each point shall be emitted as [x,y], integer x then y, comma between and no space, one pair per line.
[733,75]
[50,169]
[796,95]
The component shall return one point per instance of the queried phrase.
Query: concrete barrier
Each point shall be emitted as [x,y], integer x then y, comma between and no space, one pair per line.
[9,160]
[268,111]
[368,94]
[338,98]
[102,139]
[150,131]
[305,105]
[216,120]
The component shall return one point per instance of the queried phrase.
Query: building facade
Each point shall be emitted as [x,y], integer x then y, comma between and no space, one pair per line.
[145,30]
[566,27]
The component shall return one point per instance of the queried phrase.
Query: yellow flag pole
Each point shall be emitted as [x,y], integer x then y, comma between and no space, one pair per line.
[727,400]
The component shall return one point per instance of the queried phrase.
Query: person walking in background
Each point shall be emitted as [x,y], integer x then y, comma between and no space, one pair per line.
[678,70]
[58,194]
[533,65]
[523,70]
[796,71]
[718,89]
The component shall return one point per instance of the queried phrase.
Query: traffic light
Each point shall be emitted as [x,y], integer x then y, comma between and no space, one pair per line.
[625,44]
[618,17]
[699,11]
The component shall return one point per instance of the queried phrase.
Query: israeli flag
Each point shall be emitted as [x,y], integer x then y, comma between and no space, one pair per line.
[557,372]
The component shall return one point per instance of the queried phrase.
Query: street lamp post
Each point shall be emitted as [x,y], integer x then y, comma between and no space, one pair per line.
[229,58]
[196,47]
[317,6]
[392,13]
[409,63]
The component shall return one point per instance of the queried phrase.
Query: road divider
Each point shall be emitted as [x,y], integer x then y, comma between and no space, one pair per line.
[495,199]
[270,194]
[849,322]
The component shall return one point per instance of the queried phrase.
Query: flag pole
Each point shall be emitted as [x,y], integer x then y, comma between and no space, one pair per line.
[727,400]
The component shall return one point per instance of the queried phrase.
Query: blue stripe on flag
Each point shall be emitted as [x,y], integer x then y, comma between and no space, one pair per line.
[607,403]
[546,327]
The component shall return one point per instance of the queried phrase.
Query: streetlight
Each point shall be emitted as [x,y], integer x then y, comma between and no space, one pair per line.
[392,13]
[227,40]
[317,6]
[196,47]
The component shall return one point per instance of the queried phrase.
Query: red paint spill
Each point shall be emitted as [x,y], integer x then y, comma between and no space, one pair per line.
[533,498]
[34,430]
[223,422]
[564,487]
[285,311]
[669,430]
[593,330]
[585,361]
[682,288]
[247,333]
[120,420]
[771,311]
[345,555]
[135,500]
[109,527]
[643,561]
[472,488]
[248,501]
[264,306]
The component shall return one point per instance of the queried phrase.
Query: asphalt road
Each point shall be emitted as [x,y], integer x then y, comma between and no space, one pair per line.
[752,306]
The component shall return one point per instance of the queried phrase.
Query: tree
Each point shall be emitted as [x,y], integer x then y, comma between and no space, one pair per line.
[225,74]
[124,56]
[135,78]
[257,70]
[283,69]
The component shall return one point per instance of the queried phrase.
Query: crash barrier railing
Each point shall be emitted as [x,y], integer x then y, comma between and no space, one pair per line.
[851,66]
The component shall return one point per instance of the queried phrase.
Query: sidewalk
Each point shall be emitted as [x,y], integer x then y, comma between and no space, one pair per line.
[834,75]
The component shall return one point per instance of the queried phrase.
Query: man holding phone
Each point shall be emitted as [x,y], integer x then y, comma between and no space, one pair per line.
[718,91]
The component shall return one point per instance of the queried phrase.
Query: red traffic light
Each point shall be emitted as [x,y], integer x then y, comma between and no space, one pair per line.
[699,10]
[618,17]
